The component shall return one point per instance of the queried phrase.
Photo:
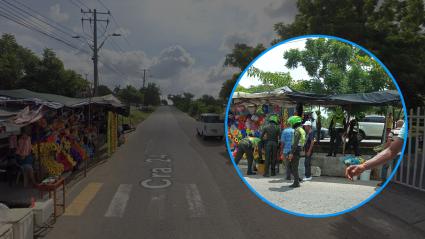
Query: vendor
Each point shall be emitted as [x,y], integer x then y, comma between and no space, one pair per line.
[23,152]
[271,144]
[246,146]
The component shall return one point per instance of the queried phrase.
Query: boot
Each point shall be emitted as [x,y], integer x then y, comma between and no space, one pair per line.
[296,184]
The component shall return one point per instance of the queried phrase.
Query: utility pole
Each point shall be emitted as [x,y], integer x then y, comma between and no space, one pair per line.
[95,48]
[144,77]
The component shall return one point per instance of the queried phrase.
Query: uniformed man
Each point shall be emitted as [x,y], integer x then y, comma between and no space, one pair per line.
[353,140]
[246,146]
[336,131]
[270,135]
[297,145]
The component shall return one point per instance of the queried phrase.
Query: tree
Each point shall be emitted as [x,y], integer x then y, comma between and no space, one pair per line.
[227,87]
[21,68]
[130,95]
[152,94]
[336,67]
[242,55]
[103,90]
[390,29]
[271,80]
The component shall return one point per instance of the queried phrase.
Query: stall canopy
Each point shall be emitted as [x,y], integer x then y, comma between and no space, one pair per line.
[58,101]
[285,95]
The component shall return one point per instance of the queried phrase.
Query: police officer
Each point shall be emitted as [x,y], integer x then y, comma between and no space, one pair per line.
[297,145]
[353,140]
[247,146]
[270,135]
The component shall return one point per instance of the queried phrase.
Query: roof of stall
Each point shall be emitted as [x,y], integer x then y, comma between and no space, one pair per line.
[59,101]
[286,95]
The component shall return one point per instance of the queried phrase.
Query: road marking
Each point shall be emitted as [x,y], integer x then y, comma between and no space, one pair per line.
[194,200]
[79,204]
[157,204]
[119,201]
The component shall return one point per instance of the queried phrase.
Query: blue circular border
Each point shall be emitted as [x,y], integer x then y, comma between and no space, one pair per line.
[317,215]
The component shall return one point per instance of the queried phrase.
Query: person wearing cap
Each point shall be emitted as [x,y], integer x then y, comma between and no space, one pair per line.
[308,149]
[297,145]
[383,157]
[246,146]
[271,135]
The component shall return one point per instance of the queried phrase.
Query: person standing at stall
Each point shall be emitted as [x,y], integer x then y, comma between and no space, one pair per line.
[271,135]
[308,149]
[353,140]
[336,131]
[297,145]
[286,144]
[246,146]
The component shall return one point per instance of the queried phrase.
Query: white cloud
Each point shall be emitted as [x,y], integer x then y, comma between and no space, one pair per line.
[171,62]
[56,14]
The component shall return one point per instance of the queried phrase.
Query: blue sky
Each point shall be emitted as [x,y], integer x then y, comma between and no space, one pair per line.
[183,42]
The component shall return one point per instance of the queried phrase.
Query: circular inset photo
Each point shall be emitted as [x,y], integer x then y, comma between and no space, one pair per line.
[315,126]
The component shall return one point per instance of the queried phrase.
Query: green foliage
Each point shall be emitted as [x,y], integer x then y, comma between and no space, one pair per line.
[336,67]
[130,95]
[152,94]
[227,87]
[21,68]
[276,79]
[103,90]
[242,55]
[204,104]
[391,29]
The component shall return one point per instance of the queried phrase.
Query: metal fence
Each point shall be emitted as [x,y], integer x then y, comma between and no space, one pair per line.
[411,172]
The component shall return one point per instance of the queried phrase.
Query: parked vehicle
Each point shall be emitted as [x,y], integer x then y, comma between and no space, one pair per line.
[371,126]
[210,125]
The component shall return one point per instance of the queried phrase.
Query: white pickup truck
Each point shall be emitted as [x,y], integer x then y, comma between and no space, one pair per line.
[371,126]
[210,125]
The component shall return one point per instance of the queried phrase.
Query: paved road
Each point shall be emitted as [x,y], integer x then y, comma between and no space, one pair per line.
[192,193]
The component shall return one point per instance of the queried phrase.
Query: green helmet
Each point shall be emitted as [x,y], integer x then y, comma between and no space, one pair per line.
[294,120]
[274,118]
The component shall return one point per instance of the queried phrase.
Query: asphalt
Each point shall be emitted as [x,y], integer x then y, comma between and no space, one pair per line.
[201,195]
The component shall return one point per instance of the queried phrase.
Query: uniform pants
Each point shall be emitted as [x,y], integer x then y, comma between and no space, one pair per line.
[294,165]
[271,156]
[248,150]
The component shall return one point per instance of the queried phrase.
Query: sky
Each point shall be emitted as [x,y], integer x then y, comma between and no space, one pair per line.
[273,61]
[182,42]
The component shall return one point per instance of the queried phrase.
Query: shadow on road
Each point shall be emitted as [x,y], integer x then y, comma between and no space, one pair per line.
[212,142]
[281,189]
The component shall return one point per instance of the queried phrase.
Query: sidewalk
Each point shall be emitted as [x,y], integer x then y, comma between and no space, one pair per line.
[402,203]
[322,195]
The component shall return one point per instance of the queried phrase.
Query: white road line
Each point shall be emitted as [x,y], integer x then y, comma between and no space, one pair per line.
[119,201]
[194,200]
[157,204]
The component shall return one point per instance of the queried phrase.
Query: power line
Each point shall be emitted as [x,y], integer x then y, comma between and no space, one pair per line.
[82,3]
[116,22]
[39,17]
[16,19]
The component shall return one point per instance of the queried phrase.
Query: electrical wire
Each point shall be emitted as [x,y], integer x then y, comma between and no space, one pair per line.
[116,22]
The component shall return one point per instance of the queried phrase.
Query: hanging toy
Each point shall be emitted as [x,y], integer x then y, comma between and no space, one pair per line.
[265,109]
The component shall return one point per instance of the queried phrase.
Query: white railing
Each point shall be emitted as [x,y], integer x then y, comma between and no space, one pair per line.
[412,167]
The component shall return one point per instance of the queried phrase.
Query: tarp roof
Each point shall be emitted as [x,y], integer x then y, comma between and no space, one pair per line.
[59,101]
[287,96]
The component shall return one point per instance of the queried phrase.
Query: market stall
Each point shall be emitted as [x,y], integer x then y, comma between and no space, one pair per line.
[250,111]
[62,132]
